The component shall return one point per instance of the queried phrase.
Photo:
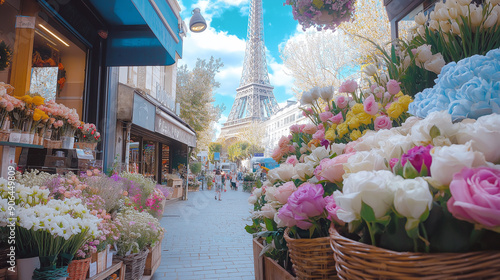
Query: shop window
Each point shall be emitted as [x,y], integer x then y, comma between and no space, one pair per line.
[165,162]
[134,154]
[149,156]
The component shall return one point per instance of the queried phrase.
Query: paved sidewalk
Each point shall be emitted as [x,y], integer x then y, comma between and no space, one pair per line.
[206,239]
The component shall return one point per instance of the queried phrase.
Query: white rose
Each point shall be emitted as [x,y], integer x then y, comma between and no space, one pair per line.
[285,172]
[273,176]
[485,136]
[268,211]
[270,194]
[448,160]
[370,187]
[369,70]
[317,155]
[278,221]
[373,140]
[395,146]
[405,128]
[302,170]
[315,93]
[365,161]
[257,192]
[306,98]
[337,148]
[326,93]
[252,200]
[412,197]
[420,131]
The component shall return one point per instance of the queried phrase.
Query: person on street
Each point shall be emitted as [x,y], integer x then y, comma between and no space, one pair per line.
[233,181]
[218,184]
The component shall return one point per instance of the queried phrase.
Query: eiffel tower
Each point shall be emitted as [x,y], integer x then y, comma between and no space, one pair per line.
[254,100]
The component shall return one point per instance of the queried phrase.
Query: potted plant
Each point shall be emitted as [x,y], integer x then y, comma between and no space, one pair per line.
[321,14]
[87,136]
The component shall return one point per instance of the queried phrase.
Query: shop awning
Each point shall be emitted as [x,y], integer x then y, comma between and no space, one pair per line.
[141,32]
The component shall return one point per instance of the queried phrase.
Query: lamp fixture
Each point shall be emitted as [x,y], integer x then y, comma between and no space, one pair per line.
[197,23]
[54,35]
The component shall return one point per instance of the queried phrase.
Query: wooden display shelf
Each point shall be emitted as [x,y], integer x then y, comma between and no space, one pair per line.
[117,266]
[23,145]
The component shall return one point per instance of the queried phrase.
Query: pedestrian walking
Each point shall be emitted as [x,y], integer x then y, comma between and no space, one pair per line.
[218,184]
[233,181]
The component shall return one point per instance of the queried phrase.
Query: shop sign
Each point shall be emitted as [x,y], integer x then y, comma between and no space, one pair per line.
[25,22]
[172,130]
[144,113]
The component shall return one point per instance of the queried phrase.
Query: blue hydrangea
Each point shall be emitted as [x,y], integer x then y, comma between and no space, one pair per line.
[469,88]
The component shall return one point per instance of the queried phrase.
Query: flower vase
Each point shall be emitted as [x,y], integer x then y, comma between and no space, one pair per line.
[26,267]
[15,136]
[32,138]
[25,137]
[67,142]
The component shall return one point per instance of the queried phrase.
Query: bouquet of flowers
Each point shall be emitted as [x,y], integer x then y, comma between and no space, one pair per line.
[322,14]
[138,230]
[87,132]
[344,119]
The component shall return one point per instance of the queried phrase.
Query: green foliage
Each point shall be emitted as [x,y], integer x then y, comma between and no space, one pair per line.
[213,147]
[242,150]
[195,167]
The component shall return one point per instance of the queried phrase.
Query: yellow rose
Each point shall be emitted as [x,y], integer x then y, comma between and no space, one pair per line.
[405,100]
[398,95]
[364,118]
[353,123]
[358,108]
[333,126]
[355,135]
[36,116]
[395,110]
[314,142]
[342,129]
[349,115]
[38,100]
[330,134]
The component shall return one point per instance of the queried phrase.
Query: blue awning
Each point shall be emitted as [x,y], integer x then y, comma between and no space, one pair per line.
[142,32]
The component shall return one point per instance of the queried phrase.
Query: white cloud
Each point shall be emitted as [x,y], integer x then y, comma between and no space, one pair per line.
[218,125]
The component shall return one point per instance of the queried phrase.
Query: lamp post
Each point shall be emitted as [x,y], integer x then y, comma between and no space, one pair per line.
[197,23]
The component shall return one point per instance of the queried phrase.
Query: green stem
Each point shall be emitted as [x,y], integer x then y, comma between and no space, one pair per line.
[426,238]
[372,234]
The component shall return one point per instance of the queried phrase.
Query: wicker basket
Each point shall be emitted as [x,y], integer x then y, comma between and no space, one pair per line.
[135,264]
[4,135]
[78,269]
[356,260]
[52,144]
[311,258]
[85,145]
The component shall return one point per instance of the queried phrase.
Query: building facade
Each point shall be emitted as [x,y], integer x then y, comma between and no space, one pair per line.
[279,125]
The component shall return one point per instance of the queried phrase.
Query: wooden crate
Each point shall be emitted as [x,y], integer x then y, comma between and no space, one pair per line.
[267,268]
[153,260]
[258,262]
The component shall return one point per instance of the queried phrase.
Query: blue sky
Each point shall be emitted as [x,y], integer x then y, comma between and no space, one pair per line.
[225,38]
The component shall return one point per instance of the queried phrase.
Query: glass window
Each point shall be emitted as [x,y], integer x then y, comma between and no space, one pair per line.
[149,153]
[134,155]
[165,162]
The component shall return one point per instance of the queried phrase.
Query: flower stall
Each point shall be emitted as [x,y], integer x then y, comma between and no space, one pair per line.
[81,226]
[398,177]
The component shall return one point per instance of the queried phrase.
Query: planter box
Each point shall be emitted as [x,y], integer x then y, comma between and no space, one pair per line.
[153,260]
[193,189]
[266,268]
[98,263]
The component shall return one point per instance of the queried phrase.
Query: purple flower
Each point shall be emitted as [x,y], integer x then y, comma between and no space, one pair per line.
[307,201]
[417,156]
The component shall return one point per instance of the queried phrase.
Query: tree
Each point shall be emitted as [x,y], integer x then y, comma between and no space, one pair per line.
[213,147]
[195,94]
[325,58]
[195,167]
[253,134]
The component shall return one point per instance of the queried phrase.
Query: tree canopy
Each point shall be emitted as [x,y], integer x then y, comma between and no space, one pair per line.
[195,94]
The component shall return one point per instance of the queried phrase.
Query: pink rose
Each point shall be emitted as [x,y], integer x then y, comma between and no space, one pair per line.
[393,87]
[282,193]
[348,86]
[379,92]
[337,119]
[333,169]
[320,134]
[320,127]
[277,155]
[306,202]
[9,107]
[318,169]
[295,128]
[350,147]
[370,105]
[292,160]
[325,116]
[332,208]
[382,122]
[286,216]
[393,162]
[283,141]
[341,101]
[475,196]
[310,129]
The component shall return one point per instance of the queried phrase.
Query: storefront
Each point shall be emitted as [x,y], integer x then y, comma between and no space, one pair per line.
[67,51]
[155,141]
[401,13]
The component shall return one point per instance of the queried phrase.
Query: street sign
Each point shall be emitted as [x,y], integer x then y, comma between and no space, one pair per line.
[217,156]
[258,154]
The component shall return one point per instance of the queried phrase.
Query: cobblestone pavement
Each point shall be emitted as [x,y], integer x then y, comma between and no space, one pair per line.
[205,238]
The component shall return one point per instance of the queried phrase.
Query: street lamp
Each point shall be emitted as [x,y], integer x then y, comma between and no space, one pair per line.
[197,23]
